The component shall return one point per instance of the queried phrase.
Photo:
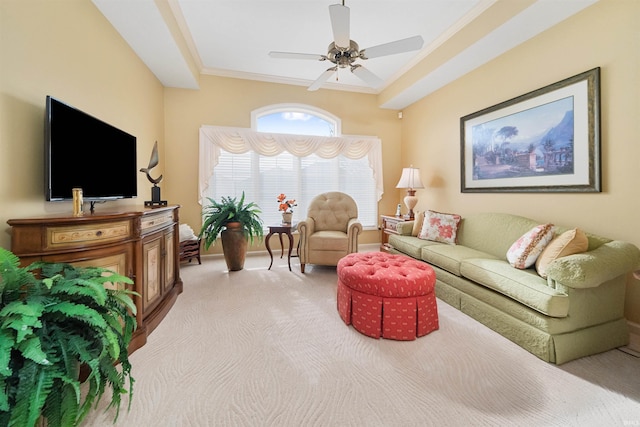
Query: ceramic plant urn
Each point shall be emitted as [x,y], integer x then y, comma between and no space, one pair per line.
[234,246]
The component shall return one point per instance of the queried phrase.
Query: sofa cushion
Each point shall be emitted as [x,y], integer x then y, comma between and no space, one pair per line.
[448,257]
[524,286]
[409,245]
[568,243]
[524,252]
[440,227]
[493,233]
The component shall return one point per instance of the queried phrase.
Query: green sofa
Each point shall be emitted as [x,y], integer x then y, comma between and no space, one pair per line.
[578,310]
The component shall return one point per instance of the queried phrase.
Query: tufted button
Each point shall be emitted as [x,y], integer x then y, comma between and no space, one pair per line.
[386,274]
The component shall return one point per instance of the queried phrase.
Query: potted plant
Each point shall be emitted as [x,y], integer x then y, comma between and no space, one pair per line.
[286,207]
[60,327]
[236,223]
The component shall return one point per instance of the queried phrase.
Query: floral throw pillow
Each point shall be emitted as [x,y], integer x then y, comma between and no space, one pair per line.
[525,251]
[440,227]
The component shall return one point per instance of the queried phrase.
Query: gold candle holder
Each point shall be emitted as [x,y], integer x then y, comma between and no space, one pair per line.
[77,202]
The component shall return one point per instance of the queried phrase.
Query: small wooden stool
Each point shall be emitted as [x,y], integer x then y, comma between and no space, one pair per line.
[190,249]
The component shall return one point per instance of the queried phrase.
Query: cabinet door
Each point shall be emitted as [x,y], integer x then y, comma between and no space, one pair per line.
[116,263]
[152,275]
[169,260]
[117,259]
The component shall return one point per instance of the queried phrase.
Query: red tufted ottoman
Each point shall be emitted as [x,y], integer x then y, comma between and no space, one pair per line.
[387,295]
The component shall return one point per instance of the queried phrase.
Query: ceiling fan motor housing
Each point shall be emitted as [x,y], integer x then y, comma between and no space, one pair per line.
[343,57]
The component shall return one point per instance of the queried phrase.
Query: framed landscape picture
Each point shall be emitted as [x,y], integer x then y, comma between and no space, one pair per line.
[547,140]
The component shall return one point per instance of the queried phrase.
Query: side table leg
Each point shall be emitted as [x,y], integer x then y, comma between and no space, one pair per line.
[266,243]
[290,248]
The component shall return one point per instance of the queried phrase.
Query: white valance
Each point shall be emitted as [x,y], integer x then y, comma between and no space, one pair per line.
[240,140]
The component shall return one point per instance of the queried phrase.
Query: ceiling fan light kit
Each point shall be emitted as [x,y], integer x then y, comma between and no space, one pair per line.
[343,52]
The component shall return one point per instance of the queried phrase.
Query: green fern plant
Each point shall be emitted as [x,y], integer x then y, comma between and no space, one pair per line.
[216,216]
[55,321]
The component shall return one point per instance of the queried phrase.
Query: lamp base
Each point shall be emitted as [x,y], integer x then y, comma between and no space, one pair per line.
[410,201]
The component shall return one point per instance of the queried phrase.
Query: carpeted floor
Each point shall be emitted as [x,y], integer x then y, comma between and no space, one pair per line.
[268,348]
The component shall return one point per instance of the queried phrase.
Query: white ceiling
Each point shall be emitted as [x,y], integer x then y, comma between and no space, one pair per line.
[180,39]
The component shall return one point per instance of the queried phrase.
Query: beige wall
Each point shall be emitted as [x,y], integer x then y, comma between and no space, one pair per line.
[66,49]
[229,102]
[605,35]
[69,50]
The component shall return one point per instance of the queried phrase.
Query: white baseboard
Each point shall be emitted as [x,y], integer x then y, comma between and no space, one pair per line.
[369,247]
[634,337]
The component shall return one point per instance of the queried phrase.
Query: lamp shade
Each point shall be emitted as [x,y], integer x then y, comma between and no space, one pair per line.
[410,178]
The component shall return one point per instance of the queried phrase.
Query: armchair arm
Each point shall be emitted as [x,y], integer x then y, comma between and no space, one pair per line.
[305,229]
[590,269]
[354,228]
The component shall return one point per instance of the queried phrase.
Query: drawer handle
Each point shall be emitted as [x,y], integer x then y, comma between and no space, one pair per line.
[99,233]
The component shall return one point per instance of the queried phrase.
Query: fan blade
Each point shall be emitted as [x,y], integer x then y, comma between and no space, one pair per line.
[292,55]
[398,46]
[340,25]
[367,76]
[323,78]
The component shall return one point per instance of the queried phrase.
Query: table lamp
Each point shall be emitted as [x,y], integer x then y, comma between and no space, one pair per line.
[410,180]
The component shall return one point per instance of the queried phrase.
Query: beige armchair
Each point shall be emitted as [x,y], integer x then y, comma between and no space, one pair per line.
[330,230]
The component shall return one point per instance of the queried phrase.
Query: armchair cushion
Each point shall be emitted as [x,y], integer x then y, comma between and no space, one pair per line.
[328,240]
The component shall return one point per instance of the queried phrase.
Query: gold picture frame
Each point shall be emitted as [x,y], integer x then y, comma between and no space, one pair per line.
[547,140]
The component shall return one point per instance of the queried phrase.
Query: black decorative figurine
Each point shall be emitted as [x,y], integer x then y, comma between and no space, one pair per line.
[155,190]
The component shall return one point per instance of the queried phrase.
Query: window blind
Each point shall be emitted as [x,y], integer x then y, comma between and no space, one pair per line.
[263,165]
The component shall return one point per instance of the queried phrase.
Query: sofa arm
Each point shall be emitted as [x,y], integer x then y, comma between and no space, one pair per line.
[590,269]
[404,228]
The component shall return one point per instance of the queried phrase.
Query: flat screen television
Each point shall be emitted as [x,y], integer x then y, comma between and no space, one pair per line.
[84,152]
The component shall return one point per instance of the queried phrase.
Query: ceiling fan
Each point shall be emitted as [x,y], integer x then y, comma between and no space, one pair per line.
[343,51]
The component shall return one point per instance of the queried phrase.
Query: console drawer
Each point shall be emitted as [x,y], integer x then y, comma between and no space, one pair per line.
[91,234]
[153,221]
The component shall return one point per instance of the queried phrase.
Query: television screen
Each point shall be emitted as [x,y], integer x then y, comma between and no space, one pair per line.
[84,152]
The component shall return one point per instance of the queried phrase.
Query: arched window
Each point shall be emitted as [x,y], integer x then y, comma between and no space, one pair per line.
[296,150]
[295,119]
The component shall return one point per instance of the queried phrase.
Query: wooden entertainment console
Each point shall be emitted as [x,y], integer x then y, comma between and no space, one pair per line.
[140,244]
